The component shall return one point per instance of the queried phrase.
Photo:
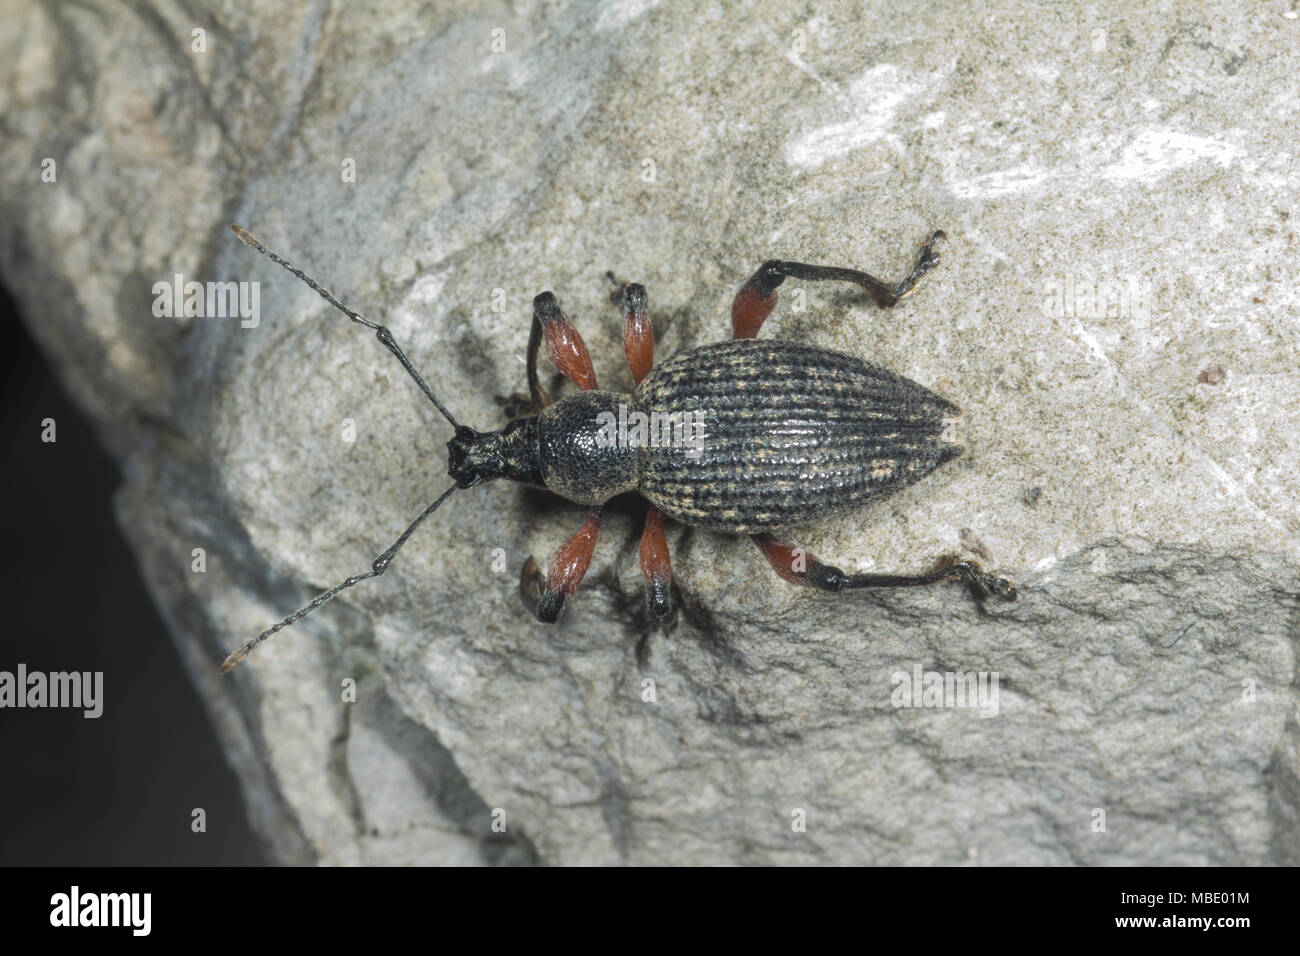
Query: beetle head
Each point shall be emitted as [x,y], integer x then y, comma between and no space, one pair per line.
[473,456]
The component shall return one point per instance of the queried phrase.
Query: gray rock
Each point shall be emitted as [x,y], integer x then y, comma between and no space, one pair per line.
[1133,465]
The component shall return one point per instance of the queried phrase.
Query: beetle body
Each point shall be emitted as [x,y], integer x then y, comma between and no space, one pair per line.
[790,433]
[762,435]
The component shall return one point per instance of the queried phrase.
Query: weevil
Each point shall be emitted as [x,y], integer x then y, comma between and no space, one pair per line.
[791,433]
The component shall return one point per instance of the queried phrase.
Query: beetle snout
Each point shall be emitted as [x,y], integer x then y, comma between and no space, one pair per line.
[464,457]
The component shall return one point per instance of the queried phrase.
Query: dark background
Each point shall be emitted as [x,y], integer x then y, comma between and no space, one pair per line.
[118,789]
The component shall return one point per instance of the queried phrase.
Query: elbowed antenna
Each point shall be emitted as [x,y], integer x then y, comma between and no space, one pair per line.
[382,333]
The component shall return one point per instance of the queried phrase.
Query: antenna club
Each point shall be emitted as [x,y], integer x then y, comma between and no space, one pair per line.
[234,660]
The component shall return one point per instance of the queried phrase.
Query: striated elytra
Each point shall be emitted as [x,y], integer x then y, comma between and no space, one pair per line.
[793,433]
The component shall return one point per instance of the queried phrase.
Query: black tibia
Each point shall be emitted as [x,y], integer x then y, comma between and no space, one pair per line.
[550,606]
[828,578]
[773,272]
[519,406]
[659,599]
[540,397]
[564,573]
[656,566]
[546,603]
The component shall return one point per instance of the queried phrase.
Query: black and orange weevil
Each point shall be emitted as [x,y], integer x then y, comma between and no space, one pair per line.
[791,433]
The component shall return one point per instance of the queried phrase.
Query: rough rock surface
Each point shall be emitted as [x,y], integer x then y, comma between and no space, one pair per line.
[1133,467]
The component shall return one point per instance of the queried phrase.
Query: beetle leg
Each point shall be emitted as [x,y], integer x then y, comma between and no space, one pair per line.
[567,567]
[517,406]
[656,566]
[757,297]
[564,347]
[638,335]
[799,567]
[540,397]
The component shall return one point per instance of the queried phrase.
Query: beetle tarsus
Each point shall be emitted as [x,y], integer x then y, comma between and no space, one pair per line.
[547,605]
[550,607]
[985,584]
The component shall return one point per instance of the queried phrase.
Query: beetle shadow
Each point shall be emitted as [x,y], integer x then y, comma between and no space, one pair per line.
[629,606]
[818,318]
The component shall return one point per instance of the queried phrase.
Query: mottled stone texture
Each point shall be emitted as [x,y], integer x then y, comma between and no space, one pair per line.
[1133,464]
